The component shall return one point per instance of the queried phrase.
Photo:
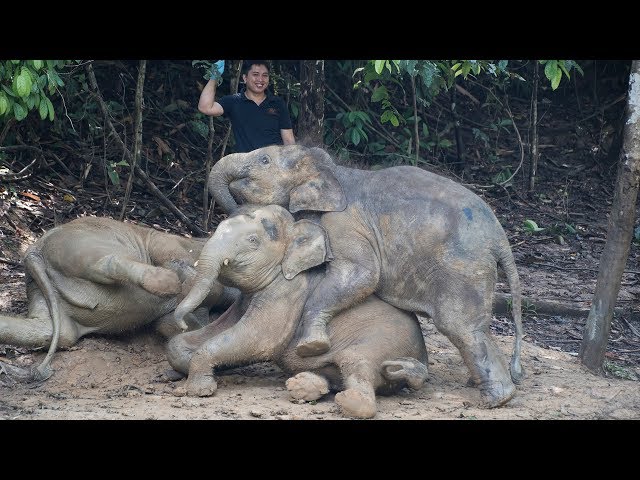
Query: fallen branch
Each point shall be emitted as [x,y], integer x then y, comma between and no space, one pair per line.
[502,304]
[12,177]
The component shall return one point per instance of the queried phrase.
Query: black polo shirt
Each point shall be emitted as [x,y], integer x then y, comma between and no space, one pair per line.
[255,126]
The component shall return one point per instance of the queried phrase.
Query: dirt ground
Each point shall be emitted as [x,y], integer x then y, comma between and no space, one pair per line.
[123,378]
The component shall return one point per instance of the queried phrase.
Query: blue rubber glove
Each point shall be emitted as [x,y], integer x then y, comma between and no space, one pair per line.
[217,68]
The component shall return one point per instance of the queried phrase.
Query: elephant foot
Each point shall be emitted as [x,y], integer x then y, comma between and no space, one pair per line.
[406,369]
[314,344]
[198,385]
[357,404]
[496,394]
[161,282]
[307,386]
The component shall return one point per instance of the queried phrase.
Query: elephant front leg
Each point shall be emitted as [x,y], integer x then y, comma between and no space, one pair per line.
[345,284]
[358,400]
[235,347]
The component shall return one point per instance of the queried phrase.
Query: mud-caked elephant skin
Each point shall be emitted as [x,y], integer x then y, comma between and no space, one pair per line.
[99,275]
[276,263]
[419,241]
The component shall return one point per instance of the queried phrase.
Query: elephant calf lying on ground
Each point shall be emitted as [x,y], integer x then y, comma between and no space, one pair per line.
[99,275]
[375,346]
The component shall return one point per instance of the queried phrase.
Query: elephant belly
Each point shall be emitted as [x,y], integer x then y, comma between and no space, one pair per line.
[110,308]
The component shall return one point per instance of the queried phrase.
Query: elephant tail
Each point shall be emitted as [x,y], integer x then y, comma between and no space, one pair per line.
[506,260]
[34,263]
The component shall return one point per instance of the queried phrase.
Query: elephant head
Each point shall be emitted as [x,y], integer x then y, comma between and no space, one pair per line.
[250,249]
[294,177]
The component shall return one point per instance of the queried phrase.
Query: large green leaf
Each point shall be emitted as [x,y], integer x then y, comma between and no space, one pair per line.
[4,103]
[378,66]
[19,111]
[550,69]
[556,79]
[50,108]
[22,84]
[43,109]
[379,94]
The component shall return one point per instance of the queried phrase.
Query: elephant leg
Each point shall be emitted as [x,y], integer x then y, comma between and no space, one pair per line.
[469,332]
[359,398]
[346,283]
[35,331]
[307,386]
[407,370]
[117,269]
[181,347]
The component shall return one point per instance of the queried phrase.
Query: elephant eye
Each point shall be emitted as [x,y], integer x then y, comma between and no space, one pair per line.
[265,159]
[253,239]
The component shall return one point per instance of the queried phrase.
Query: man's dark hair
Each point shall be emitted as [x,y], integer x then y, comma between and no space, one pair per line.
[247,64]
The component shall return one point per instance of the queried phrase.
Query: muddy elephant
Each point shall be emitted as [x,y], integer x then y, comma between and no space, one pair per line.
[99,275]
[419,241]
[276,264]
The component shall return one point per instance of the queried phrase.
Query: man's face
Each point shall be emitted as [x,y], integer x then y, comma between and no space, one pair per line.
[257,79]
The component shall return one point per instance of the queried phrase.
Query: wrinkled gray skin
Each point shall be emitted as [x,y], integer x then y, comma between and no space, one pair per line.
[98,275]
[419,241]
[375,347]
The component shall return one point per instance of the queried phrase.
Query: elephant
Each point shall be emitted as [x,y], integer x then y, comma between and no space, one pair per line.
[99,275]
[419,241]
[276,263]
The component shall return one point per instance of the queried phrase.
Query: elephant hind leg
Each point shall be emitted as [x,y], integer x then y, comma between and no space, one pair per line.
[471,335]
[307,386]
[358,400]
[33,333]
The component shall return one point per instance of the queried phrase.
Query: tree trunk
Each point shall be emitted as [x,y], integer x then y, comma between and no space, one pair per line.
[137,144]
[619,233]
[311,119]
[534,129]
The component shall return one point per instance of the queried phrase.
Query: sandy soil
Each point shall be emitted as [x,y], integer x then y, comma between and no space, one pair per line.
[123,378]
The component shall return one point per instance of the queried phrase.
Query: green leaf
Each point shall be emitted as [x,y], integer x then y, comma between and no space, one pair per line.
[386,115]
[378,66]
[379,93]
[4,103]
[532,226]
[43,109]
[556,80]
[355,136]
[37,64]
[563,68]
[30,102]
[394,120]
[550,69]
[19,111]
[113,175]
[50,107]
[456,66]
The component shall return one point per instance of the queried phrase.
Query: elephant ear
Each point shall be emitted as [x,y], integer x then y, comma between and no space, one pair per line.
[308,247]
[321,192]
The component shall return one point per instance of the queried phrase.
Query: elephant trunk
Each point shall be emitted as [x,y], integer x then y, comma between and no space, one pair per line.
[229,168]
[208,269]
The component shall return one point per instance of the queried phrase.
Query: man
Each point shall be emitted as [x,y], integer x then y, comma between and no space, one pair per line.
[258,118]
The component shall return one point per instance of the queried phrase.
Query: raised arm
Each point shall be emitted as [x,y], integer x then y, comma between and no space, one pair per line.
[207,103]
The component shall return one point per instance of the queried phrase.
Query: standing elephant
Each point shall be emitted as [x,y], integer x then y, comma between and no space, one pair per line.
[375,346]
[99,275]
[419,241]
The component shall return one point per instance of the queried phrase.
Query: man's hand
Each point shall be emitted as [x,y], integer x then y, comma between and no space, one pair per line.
[217,69]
